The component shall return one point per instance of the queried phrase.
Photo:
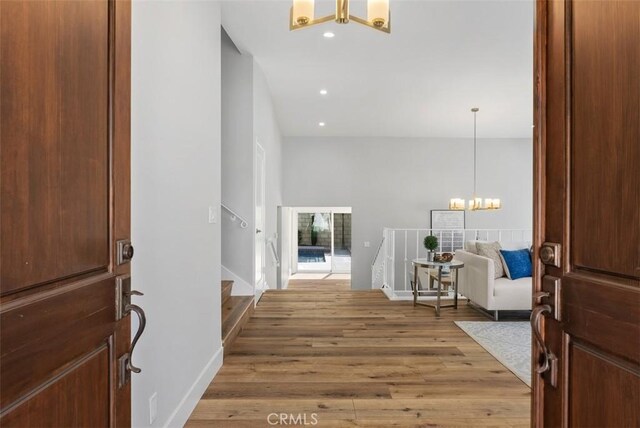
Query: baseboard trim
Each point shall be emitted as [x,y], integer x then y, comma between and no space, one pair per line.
[181,414]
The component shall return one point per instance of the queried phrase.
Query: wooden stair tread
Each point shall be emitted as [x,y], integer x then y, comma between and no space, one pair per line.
[225,289]
[236,311]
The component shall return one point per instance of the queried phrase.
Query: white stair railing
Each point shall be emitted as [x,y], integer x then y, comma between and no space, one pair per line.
[235,217]
[378,267]
[391,268]
[274,252]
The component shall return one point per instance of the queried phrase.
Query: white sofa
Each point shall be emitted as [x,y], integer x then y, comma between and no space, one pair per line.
[477,283]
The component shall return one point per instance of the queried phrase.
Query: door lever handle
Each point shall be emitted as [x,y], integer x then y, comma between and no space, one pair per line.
[549,360]
[125,364]
[142,323]
[540,295]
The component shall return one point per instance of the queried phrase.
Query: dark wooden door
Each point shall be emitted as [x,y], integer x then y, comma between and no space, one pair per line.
[588,202]
[64,166]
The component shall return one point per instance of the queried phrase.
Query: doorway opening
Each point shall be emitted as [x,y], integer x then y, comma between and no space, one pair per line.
[321,243]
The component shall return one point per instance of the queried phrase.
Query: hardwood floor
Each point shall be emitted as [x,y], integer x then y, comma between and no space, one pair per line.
[354,358]
[320,284]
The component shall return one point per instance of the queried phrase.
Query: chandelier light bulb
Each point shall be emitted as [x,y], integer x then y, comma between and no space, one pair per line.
[302,11]
[378,12]
[378,15]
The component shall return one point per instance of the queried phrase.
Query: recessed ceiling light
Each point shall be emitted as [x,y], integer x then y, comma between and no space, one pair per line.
[321,124]
[329,35]
[323,92]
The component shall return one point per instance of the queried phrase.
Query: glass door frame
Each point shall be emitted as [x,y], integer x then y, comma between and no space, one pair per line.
[295,211]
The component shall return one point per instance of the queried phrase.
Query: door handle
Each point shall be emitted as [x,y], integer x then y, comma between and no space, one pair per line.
[549,360]
[142,323]
[123,308]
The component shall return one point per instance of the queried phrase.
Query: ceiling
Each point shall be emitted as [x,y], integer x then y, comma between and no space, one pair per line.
[441,59]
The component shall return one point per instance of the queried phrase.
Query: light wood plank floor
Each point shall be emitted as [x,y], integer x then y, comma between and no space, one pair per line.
[354,358]
[320,284]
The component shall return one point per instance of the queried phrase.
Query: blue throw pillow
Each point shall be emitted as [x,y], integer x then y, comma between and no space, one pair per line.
[517,264]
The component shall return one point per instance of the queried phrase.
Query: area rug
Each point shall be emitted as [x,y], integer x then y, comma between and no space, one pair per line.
[508,342]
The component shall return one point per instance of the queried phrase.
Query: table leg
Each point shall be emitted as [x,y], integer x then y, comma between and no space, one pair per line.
[415,285]
[455,291]
[439,289]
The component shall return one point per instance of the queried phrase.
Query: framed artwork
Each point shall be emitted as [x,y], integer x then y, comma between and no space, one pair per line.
[448,226]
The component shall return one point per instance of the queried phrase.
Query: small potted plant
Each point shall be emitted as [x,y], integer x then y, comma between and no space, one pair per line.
[431,244]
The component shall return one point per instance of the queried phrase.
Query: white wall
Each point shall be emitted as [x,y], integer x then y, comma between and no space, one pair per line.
[175,178]
[267,132]
[237,160]
[285,248]
[396,182]
[248,117]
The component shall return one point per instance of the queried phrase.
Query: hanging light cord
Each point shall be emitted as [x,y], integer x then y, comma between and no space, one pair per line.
[475,157]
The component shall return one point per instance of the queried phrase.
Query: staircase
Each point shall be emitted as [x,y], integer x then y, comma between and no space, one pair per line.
[236,311]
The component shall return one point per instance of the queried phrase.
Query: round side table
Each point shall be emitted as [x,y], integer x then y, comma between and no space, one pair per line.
[454,265]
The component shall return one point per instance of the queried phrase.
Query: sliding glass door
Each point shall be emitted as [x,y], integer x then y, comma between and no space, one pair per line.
[323,240]
[341,250]
[314,241]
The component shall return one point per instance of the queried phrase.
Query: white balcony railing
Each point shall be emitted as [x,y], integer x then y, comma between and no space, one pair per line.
[391,267]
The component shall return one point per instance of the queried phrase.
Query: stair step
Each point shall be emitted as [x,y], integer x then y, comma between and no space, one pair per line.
[226,288]
[236,312]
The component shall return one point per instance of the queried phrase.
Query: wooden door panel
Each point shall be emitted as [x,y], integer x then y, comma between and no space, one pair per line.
[64,202]
[51,406]
[76,318]
[609,399]
[606,315]
[587,130]
[605,121]
[55,148]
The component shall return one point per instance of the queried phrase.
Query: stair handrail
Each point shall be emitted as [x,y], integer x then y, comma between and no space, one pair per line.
[274,253]
[234,216]
[377,268]
[373,263]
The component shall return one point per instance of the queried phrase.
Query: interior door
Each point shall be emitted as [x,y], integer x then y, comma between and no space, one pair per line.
[587,214]
[64,195]
[260,212]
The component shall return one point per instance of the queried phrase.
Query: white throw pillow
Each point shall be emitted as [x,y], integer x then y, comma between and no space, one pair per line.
[470,246]
[491,250]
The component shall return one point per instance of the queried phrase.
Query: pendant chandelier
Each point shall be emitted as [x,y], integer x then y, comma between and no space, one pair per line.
[378,15]
[475,203]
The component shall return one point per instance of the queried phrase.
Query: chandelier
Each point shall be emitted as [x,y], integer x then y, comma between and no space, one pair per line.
[476,203]
[378,15]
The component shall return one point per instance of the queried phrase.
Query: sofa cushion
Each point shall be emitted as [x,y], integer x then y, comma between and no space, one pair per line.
[516,263]
[470,246]
[491,250]
[514,295]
